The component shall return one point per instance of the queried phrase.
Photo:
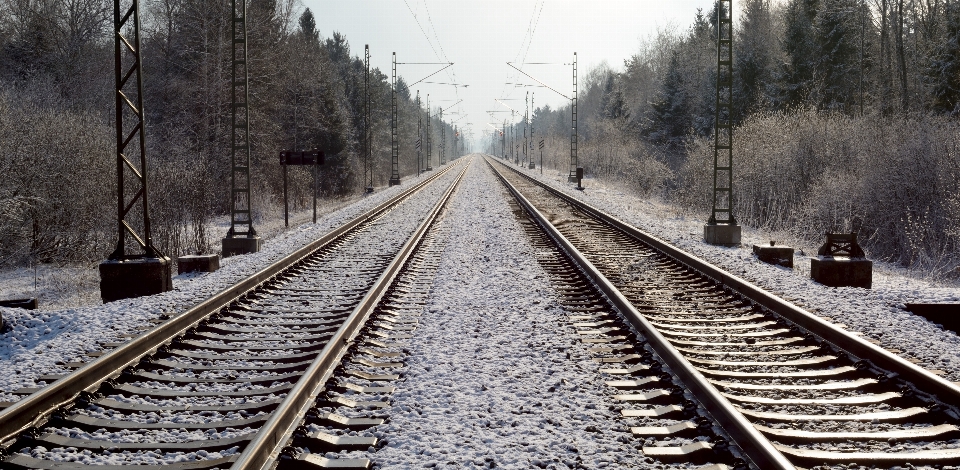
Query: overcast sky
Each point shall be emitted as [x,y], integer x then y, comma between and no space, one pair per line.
[480,37]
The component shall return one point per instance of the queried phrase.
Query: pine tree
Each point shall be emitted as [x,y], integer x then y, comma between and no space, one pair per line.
[308,25]
[753,57]
[837,63]
[798,75]
[670,119]
[944,70]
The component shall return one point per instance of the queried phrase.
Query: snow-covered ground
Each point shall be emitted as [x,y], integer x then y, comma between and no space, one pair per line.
[488,378]
[34,342]
[59,287]
[495,376]
[878,313]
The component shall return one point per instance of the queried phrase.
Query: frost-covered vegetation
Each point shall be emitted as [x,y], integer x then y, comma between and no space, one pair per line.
[57,140]
[846,112]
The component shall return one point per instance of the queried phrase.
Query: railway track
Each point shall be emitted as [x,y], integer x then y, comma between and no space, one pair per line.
[229,382]
[789,388]
[669,427]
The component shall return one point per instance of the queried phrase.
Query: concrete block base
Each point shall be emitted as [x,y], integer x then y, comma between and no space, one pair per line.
[241,246]
[571,179]
[842,272]
[532,165]
[947,315]
[201,263]
[722,234]
[26,304]
[394,181]
[779,255]
[429,168]
[134,278]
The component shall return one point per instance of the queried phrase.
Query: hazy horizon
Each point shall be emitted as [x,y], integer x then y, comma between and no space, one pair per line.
[481,37]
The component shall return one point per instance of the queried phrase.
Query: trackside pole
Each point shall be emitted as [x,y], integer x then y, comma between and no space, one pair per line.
[721,228]
[145,271]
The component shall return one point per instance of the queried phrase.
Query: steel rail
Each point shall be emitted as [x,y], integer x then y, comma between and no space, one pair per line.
[265,447]
[860,349]
[757,448]
[35,409]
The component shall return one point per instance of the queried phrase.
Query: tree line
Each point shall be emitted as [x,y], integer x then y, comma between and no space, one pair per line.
[57,196]
[846,120]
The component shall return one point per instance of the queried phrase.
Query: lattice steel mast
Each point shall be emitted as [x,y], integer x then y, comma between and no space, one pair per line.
[395,158]
[367,144]
[443,136]
[429,136]
[132,142]
[419,136]
[241,237]
[145,271]
[572,177]
[721,228]
[526,115]
[531,164]
[722,212]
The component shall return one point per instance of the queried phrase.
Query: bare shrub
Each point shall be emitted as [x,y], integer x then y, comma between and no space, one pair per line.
[893,179]
[58,184]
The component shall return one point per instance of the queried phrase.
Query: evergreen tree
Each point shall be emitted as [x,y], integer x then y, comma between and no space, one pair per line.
[670,119]
[308,25]
[798,76]
[753,58]
[837,63]
[944,70]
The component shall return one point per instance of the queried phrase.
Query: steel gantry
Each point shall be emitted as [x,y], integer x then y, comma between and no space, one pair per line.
[139,269]
[721,227]
[241,237]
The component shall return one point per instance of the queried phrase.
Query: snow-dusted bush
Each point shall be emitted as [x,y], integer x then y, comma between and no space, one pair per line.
[57,186]
[892,179]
